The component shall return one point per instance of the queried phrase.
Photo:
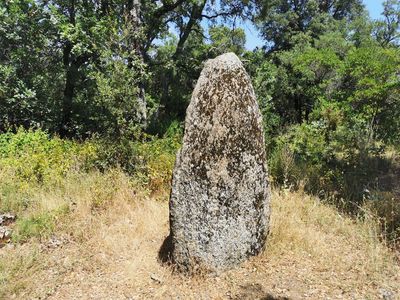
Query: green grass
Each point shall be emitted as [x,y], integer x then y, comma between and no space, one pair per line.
[39,226]
[40,174]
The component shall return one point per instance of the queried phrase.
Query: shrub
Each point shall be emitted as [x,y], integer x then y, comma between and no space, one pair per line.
[148,158]
[35,157]
[344,166]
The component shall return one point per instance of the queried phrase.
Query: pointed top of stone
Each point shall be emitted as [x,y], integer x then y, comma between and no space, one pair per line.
[226,61]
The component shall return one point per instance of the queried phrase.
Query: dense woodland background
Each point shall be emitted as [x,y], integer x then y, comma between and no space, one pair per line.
[106,83]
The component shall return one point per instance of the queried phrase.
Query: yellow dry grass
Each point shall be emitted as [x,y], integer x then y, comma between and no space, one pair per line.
[108,246]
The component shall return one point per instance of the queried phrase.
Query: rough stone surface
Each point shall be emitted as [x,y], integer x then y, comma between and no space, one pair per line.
[219,205]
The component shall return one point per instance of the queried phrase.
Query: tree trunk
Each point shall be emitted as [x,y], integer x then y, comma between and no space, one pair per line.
[70,74]
[195,15]
[71,66]
[66,109]
[67,105]
[134,13]
[298,108]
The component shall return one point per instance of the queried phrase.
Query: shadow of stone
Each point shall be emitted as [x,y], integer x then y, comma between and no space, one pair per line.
[165,251]
[256,291]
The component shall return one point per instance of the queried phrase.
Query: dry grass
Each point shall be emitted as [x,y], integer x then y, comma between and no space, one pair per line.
[106,247]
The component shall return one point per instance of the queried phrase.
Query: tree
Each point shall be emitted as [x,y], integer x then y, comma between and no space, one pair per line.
[54,58]
[30,78]
[284,22]
[371,87]
[302,77]
[387,31]
[186,20]
[224,39]
[82,29]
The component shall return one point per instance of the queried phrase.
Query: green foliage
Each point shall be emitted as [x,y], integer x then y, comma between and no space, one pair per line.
[30,79]
[387,30]
[342,104]
[33,157]
[223,39]
[37,226]
[286,23]
[120,74]
[34,166]
[265,82]
[148,158]
[373,89]
[175,75]
[116,96]
[329,93]
[157,160]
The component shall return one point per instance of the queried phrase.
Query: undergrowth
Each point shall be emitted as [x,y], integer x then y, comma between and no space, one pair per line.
[70,195]
[37,171]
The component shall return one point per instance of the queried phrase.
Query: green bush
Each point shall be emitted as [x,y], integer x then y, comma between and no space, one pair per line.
[343,166]
[32,156]
[148,158]
[32,161]
[331,155]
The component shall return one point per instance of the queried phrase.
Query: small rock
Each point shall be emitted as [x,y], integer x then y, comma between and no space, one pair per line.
[6,219]
[386,294]
[155,278]
[5,233]
[54,242]
[9,246]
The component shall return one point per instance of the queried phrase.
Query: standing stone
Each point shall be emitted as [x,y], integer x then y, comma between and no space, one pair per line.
[219,206]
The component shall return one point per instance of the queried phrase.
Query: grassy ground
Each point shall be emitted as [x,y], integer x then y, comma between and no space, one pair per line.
[86,234]
[105,242]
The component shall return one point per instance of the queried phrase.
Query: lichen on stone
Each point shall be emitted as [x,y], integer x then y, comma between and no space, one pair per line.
[219,205]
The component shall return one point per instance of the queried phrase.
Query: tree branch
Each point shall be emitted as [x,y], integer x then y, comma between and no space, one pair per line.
[166,8]
[221,14]
[194,16]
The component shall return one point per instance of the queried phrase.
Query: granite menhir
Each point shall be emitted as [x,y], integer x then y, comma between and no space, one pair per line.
[219,205]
